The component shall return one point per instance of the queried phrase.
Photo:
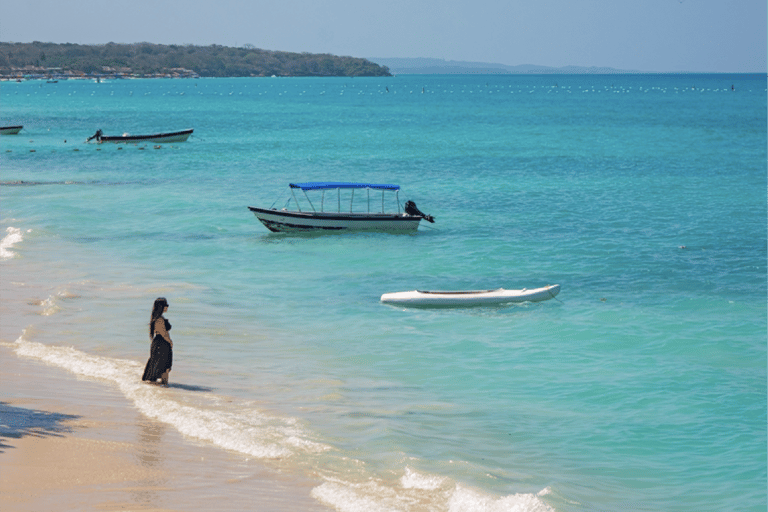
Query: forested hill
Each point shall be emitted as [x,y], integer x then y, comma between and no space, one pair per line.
[147,59]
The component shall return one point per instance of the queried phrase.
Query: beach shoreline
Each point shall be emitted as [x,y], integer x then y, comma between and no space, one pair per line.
[70,444]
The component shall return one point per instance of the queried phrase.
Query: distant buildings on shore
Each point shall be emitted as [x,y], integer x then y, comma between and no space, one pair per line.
[107,73]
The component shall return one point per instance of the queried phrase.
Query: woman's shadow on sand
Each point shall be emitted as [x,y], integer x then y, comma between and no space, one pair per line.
[189,387]
[17,422]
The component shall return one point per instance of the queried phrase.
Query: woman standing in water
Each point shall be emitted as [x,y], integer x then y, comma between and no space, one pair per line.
[161,352]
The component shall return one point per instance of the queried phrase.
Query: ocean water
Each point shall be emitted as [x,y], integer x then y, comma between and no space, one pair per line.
[641,387]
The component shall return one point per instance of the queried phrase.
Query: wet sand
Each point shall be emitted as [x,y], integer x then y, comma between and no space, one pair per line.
[69,444]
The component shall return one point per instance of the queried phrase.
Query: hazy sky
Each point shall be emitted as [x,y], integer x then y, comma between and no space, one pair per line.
[643,35]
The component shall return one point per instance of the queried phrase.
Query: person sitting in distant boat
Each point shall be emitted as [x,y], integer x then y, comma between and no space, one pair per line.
[161,351]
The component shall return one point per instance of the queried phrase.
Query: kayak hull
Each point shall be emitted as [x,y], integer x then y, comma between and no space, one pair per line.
[467,298]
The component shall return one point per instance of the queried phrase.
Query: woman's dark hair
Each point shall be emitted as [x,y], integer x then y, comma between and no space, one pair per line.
[157,312]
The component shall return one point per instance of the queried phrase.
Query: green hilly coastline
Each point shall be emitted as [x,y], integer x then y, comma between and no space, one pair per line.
[52,60]
[40,60]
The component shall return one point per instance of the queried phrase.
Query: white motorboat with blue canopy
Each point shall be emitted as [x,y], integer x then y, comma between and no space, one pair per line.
[342,206]
[467,298]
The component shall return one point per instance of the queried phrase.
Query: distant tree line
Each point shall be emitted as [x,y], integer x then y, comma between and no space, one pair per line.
[154,59]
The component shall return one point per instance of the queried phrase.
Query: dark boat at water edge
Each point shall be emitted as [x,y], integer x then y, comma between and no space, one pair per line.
[179,136]
[10,130]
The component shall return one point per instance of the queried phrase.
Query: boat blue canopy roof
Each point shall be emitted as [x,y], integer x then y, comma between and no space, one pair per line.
[325,185]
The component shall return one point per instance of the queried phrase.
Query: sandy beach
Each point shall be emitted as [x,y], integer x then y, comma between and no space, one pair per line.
[69,444]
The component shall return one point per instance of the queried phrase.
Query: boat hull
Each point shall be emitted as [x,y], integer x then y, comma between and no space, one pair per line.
[279,221]
[181,136]
[418,298]
[10,130]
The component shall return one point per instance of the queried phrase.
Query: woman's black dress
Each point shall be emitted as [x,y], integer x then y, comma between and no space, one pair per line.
[160,357]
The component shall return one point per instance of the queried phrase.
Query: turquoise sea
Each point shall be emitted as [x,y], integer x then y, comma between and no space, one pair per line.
[641,387]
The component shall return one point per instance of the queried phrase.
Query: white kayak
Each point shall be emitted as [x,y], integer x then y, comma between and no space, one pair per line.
[470,297]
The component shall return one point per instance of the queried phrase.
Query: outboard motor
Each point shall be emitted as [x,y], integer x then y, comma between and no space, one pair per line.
[410,209]
[96,136]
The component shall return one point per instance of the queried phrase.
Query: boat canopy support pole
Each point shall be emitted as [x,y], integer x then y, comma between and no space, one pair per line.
[351,199]
[298,206]
[309,201]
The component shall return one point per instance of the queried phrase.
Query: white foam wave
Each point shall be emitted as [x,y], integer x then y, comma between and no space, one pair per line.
[49,306]
[13,237]
[370,496]
[468,499]
[418,492]
[414,480]
[245,428]
[238,427]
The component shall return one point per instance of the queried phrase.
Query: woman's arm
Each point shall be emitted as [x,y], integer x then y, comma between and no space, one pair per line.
[162,331]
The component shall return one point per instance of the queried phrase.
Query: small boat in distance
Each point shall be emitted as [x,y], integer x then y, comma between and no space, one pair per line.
[179,136]
[10,130]
[468,298]
[310,219]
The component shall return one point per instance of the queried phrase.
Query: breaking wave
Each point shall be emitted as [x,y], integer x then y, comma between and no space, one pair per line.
[13,236]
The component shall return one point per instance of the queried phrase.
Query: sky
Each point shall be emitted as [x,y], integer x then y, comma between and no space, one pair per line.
[727,36]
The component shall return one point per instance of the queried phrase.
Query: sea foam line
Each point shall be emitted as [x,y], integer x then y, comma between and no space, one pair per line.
[13,237]
[247,430]
[419,492]
[241,428]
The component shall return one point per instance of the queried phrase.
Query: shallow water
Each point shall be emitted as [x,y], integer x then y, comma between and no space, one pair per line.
[643,385]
